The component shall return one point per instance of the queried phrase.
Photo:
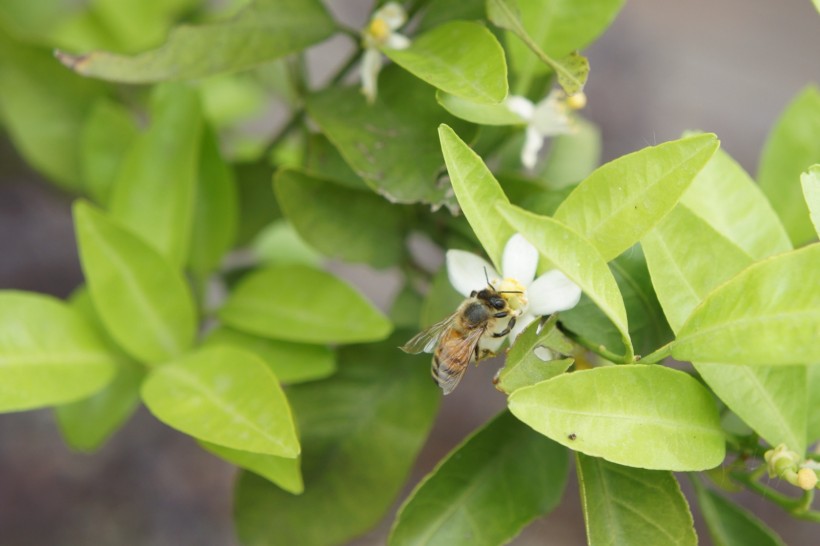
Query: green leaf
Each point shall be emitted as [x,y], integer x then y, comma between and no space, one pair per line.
[572,157]
[476,112]
[484,475]
[624,198]
[87,423]
[780,310]
[324,161]
[634,414]
[280,244]
[575,256]
[791,148]
[625,506]
[49,354]
[257,204]
[443,11]
[688,259]
[225,396]
[263,31]
[813,417]
[441,300]
[105,138]
[143,301]
[529,361]
[154,192]
[390,143]
[353,225]
[215,208]
[461,58]
[361,431]
[477,192]
[299,303]
[572,69]
[810,180]
[282,471]
[747,219]
[290,362]
[42,124]
[729,524]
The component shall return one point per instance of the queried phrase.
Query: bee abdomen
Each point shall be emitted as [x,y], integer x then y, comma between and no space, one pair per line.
[444,375]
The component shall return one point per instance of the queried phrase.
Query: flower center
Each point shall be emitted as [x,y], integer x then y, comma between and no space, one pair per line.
[513,291]
[378,30]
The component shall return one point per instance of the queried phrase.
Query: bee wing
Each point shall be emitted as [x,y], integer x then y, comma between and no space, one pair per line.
[455,356]
[427,340]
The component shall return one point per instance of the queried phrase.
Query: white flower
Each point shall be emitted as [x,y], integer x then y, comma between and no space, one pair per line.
[380,33]
[548,118]
[549,293]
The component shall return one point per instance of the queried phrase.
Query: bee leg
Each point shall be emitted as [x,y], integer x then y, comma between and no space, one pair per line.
[506,330]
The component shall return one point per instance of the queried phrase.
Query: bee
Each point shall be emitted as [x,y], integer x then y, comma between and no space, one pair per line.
[456,340]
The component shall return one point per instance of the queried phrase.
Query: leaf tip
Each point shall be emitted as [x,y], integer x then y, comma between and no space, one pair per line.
[77,63]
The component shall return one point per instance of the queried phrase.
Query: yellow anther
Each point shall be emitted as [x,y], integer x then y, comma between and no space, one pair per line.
[513,291]
[577,101]
[378,29]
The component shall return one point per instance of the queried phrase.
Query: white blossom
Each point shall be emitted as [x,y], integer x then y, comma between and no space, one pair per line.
[380,32]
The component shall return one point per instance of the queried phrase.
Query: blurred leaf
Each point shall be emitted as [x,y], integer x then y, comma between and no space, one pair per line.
[226,396]
[105,138]
[477,112]
[572,157]
[407,308]
[633,414]
[813,417]
[282,471]
[155,189]
[299,303]
[571,68]
[780,310]
[526,363]
[215,207]
[810,180]
[792,147]
[324,161]
[484,475]
[49,354]
[143,301]
[290,362]
[263,31]
[279,244]
[359,442]
[729,524]
[353,225]
[444,11]
[624,198]
[575,256]
[461,58]
[531,194]
[625,506]
[43,125]
[747,219]
[688,259]
[478,192]
[441,300]
[390,143]
[87,423]
[257,204]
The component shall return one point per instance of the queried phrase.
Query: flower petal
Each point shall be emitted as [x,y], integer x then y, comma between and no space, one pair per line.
[521,106]
[532,145]
[520,324]
[393,14]
[468,272]
[552,292]
[397,41]
[551,116]
[371,65]
[520,260]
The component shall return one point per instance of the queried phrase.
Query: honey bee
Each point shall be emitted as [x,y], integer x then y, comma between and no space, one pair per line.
[456,340]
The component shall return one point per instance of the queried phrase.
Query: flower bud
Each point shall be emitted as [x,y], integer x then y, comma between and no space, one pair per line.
[806,479]
[577,101]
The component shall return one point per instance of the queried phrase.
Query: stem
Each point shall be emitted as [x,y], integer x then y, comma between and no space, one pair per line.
[598,349]
[658,355]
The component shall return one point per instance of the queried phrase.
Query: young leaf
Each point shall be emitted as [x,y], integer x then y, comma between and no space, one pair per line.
[154,192]
[263,31]
[747,219]
[49,354]
[688,259]
[504,469]
[729,524]
[299,303]
[476,112]
[529,360]
[634,414]
[107,134]
[625,506]
[143,301]
[810,180]
[290,362]
[215,207]
[792,146]
[87,423]
[350,224]
[359,442]
[225,396]
[624,198]
[283,471]
[477,192]
[575,256]
[780,309]
[461,58]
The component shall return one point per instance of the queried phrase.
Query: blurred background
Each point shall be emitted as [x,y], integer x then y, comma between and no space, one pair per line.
[726,66]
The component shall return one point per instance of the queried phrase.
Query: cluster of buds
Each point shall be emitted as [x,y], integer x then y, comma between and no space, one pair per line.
[788,465]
